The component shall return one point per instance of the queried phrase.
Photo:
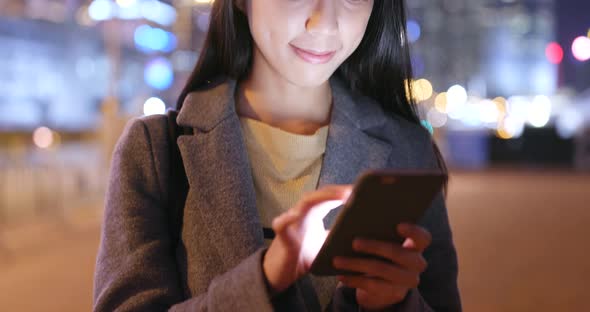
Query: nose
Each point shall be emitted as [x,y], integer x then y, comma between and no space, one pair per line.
[323,18]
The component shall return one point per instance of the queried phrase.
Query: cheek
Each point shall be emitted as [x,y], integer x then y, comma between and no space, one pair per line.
[271,26]
[353,30]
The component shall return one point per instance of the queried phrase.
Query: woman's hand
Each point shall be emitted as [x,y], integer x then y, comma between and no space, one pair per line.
[284,261]
[386,282]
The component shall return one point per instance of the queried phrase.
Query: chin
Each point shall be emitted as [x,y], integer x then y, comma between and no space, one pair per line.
[308,77]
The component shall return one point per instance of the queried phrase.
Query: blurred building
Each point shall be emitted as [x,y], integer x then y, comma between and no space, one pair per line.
[494,81]
[488,72]
[62,59]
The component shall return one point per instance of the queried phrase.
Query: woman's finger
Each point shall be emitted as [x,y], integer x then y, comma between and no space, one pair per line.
[420,237]
[405,258]
[379,269]
[298,212]
[329,192]
[373,293]
[280,223]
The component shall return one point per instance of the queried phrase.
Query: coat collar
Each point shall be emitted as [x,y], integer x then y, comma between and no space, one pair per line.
[205,109]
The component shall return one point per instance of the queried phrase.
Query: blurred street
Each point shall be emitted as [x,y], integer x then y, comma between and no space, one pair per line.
[521,238]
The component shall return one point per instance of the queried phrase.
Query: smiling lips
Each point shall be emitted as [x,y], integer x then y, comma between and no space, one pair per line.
[313,57]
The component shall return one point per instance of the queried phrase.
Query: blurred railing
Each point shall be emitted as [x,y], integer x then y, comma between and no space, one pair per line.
[50,183]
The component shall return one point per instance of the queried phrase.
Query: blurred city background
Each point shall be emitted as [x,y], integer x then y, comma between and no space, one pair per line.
[504,85]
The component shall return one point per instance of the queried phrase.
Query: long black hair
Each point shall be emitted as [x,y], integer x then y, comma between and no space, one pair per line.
[379,68]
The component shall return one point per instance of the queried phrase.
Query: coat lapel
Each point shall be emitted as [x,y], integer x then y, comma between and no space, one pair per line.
[352,148]
[216,162]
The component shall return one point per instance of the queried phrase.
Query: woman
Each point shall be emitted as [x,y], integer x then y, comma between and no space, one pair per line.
[290,101]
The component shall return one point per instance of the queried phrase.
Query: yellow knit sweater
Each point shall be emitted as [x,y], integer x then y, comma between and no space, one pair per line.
[284,166]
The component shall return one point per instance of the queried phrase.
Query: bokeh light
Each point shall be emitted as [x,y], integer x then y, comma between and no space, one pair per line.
[158,12]
[126,3]
[554,53]
[512,127]
[457,95]
[539,111]
[154,106]
[569,122]
[501,103]
[100,10]
[414,30]
[581,48]
[456,102]
[43,137]
[503,134]
[422,90]
[159,74]
[151,39]
[440,102]
[488,111]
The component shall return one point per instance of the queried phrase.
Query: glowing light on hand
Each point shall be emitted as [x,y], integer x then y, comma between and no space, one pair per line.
[314,233]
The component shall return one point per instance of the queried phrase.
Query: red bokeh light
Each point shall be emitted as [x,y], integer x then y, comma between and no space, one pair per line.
[554,53]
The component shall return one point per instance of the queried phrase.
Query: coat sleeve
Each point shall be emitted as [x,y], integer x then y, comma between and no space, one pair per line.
[135,268]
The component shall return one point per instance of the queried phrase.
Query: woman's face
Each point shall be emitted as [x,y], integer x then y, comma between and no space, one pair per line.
[305,41]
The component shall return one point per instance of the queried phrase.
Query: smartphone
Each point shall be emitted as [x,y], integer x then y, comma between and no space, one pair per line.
[380,200]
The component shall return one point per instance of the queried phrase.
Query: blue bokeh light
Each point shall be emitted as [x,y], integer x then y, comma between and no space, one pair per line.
[158,73]
[150,39]
[414,30]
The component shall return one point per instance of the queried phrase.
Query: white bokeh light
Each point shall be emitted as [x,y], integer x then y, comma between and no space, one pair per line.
[101,10]
[539,111]
[457,95]
[43,137]
[488,111]
[154,106]
[513,126]
[456,102]
[569,122]
[581,48]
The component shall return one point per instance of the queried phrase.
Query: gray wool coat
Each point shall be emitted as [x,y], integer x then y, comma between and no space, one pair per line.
[218,263]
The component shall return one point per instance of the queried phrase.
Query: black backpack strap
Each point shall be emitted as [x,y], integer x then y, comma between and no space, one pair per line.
[268,233]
